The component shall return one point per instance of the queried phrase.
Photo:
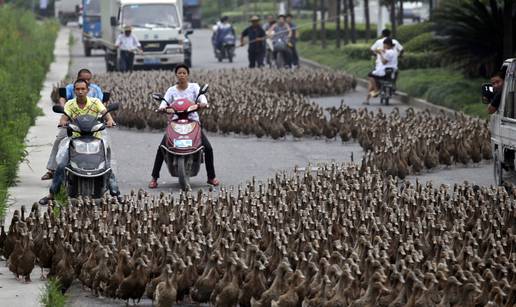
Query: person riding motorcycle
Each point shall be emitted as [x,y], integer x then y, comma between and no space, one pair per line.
[95,92]
[187,90]
[81,105]
[281,34]
[224,28]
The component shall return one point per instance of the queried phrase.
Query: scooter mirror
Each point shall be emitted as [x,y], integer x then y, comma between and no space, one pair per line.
[113,107]
[487,92]
[58,109]
[157,97]
[62,92]
[105,96]
[204,89]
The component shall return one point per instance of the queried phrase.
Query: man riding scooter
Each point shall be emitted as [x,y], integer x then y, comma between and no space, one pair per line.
[224,40]
[81,105]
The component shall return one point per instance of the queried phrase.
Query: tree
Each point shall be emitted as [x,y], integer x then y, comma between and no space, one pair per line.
[400,13]
[346,23]
[323,24]
[367,20]
[314,21]
[392,5]
[351,8]
[337,16]
[477,35]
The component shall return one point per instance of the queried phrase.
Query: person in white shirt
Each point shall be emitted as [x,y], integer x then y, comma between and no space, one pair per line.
[388,59]
[128,44]
[187,90]
[378,44]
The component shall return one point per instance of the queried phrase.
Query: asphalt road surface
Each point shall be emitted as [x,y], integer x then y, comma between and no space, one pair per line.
[237,158]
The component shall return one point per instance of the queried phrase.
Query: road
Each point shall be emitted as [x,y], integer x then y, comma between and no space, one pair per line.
[237,158]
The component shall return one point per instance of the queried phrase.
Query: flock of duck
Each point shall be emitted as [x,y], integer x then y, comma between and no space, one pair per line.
[343,235]
[262,103]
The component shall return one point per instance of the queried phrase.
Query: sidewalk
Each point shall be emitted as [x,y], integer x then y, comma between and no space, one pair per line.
[29,187]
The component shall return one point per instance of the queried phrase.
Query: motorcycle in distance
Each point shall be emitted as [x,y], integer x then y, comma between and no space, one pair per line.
[183,150]
[89,169]
[387,85]
[227,50]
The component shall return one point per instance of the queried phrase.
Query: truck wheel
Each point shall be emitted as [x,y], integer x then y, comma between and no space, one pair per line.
[87,50]
[181,173]
[497,170]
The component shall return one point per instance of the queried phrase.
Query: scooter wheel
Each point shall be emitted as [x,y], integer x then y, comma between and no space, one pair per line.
[184,181]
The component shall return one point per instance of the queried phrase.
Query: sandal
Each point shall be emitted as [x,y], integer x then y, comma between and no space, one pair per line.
[44,201]
[48,175]
[153,184]
[214,182]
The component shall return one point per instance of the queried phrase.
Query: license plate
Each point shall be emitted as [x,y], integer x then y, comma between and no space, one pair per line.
[182,143]
[151,61]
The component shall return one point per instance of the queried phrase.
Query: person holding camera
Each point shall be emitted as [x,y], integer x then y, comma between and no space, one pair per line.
[497,81]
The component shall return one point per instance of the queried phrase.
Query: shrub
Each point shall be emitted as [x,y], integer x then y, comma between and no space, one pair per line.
[51,295]
[26,52]
[407,32]
[331,32]
[358,51]
[414,60]
[422,42]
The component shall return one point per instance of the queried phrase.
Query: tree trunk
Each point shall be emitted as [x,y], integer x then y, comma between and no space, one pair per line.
[400,13]
[353,26]
[314,22]
[289,6]
[337,16]
[367,20]
[507,29]
[346,23]
[323,24]
[393,17]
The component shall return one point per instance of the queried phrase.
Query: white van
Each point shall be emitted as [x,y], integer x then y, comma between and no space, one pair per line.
[503,126]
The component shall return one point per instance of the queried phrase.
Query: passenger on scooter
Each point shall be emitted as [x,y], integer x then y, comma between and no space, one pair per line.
[81,105]
[388,59]
[94,92]
[281,34]
[187,90]
[224,28]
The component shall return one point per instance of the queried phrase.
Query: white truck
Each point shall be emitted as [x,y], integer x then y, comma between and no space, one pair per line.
[503,126]
[67,10]
[156,23]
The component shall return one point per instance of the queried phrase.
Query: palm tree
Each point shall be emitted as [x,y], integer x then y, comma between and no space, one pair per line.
[346,23]
[477,34]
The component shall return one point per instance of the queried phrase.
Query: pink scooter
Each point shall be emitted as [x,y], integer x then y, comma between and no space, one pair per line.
[183,150]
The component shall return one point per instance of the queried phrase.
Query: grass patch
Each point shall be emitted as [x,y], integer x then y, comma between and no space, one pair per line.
[51,295]
[71,40]
[442,86]
[25,55]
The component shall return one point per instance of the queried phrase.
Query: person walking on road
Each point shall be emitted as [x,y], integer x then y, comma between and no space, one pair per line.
[187,90]
[257,36]
[94,92]
[281,34]
[128,44]
[293,40]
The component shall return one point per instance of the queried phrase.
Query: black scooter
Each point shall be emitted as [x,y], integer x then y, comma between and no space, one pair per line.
[89,169]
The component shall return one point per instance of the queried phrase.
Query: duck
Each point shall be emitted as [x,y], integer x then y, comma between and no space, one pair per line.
[166,293]
[133,286]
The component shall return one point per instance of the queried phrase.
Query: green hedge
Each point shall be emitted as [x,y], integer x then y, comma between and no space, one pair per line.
[404,33]
[422,43]
[25,55]
[331,32]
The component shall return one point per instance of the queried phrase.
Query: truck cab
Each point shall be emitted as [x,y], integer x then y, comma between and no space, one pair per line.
[503,127]
[157,24]
[91,27]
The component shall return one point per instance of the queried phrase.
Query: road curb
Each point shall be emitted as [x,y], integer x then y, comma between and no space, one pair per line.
[29,187]
[403,97]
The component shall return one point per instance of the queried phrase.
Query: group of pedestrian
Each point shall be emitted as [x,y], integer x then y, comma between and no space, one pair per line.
[275,36]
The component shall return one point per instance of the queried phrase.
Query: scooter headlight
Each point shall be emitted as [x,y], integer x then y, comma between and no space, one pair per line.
[74,127]
[87,148]
[97,127]
[183,128]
